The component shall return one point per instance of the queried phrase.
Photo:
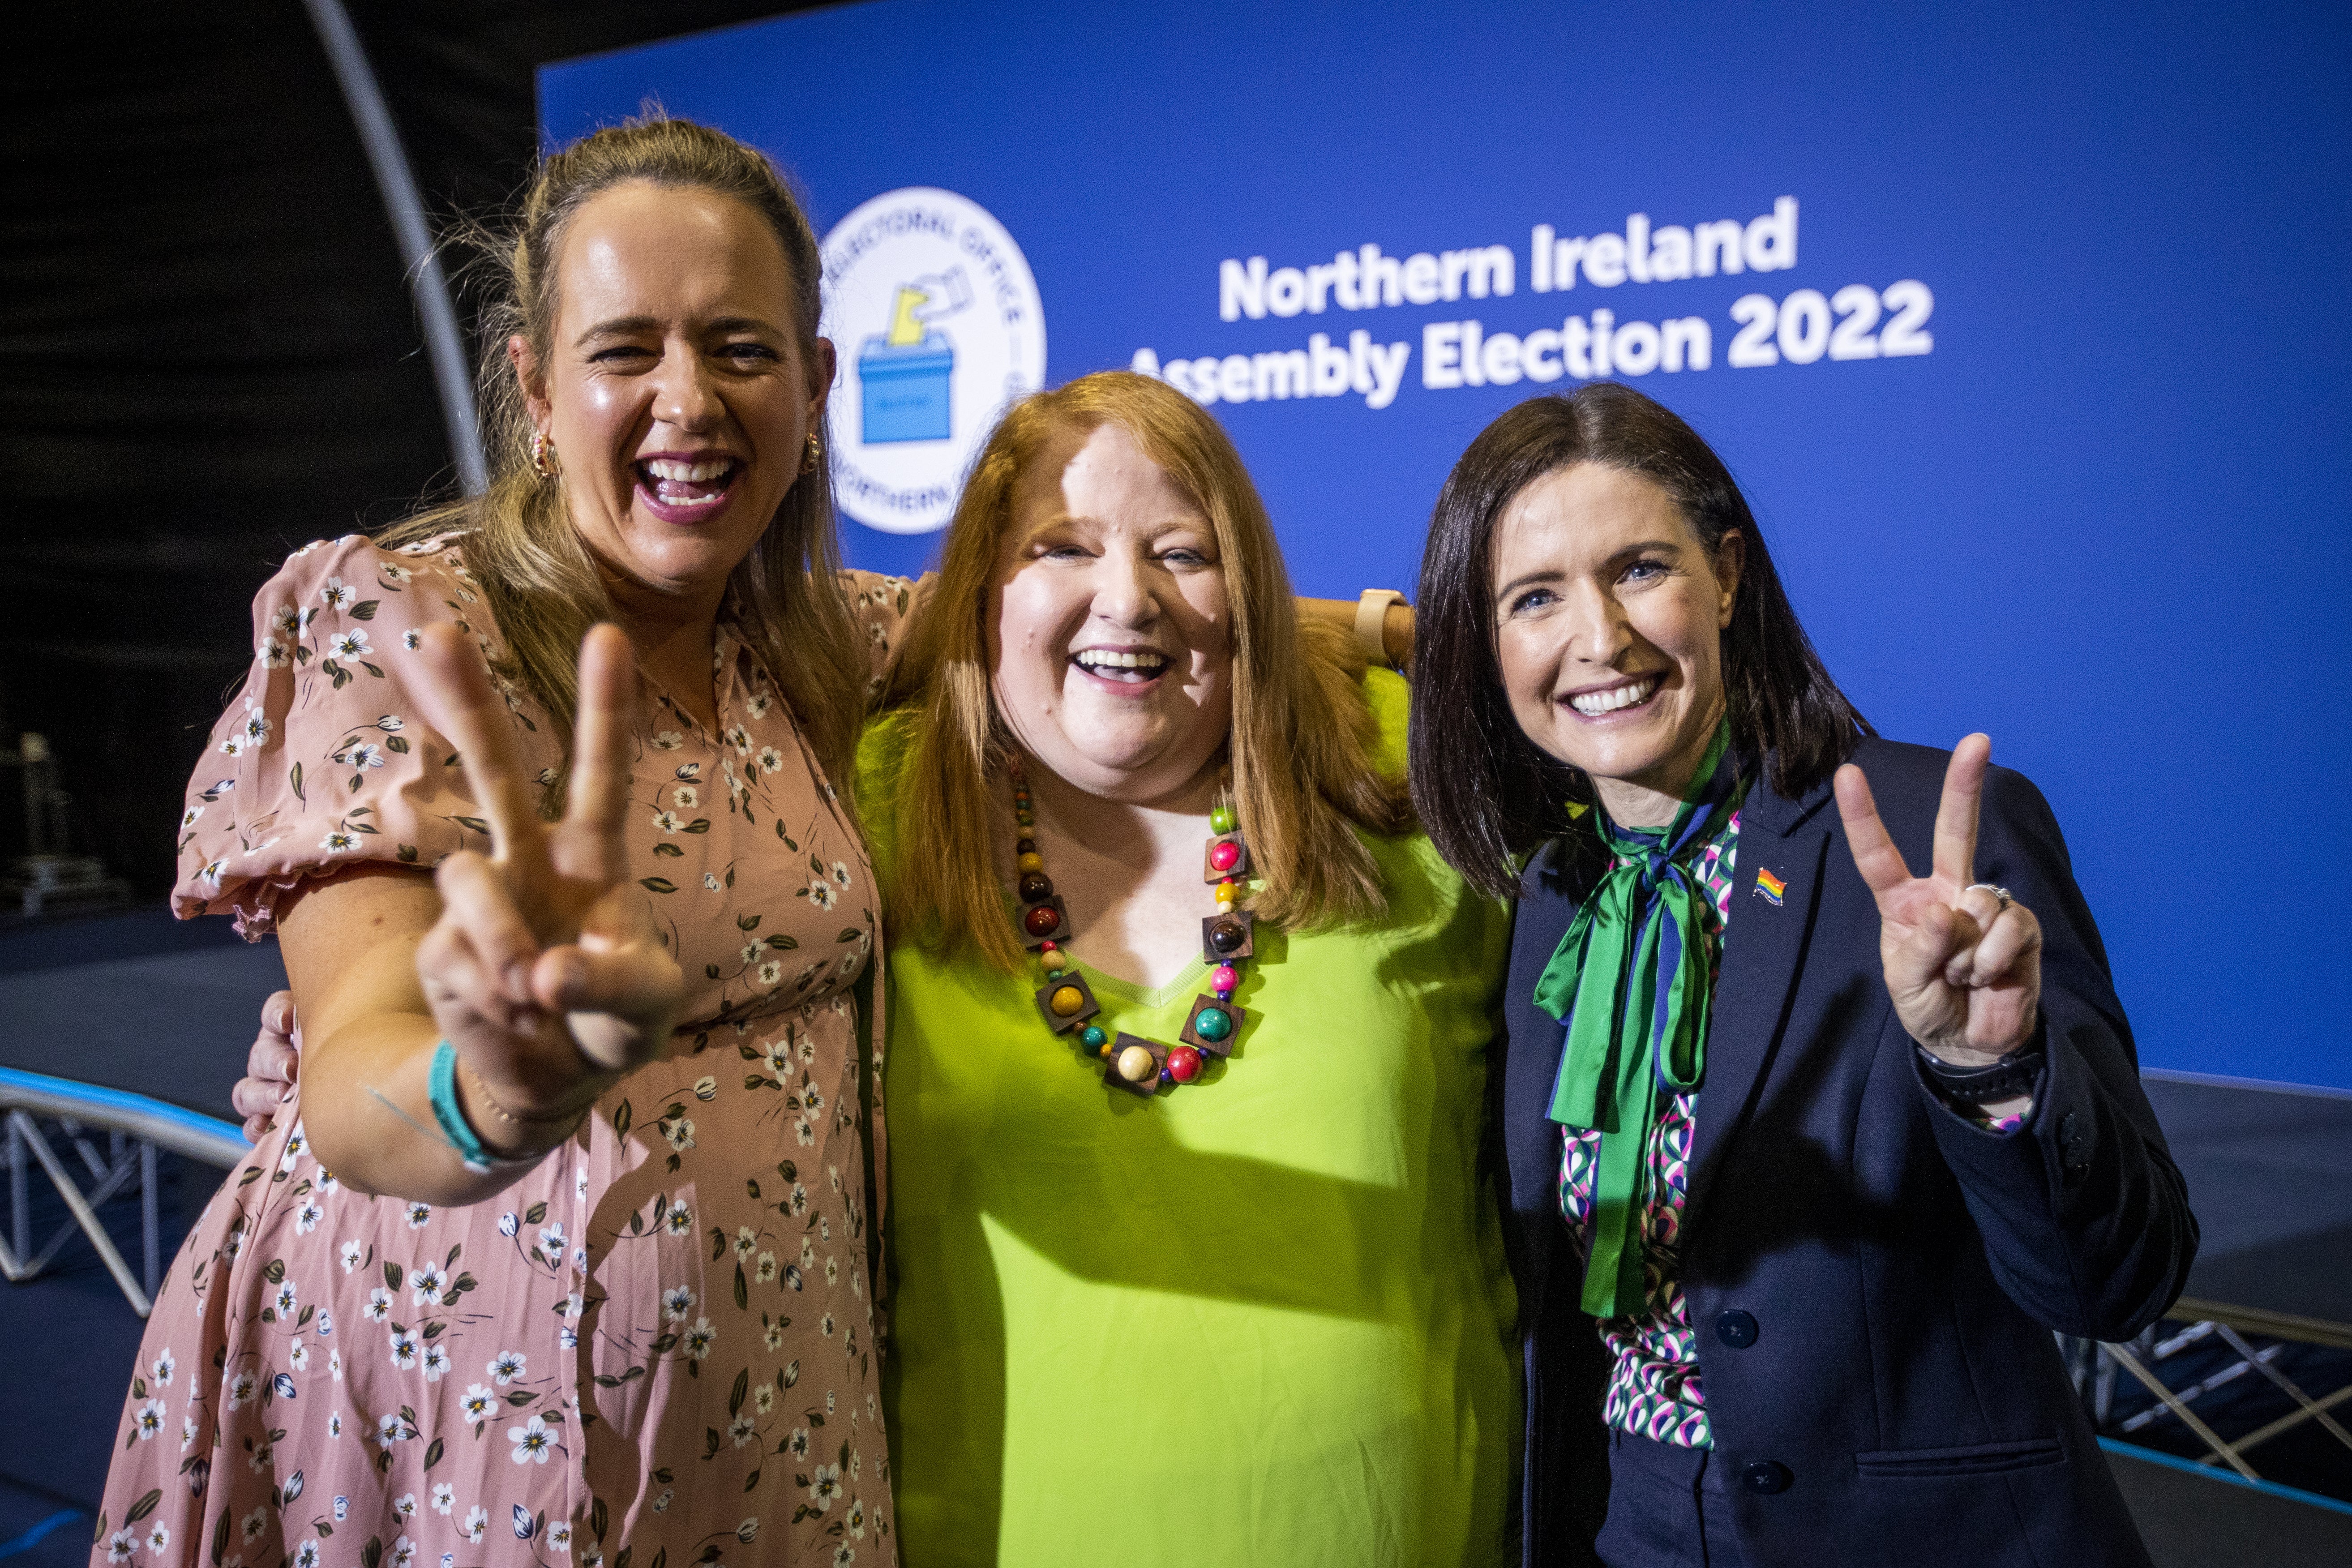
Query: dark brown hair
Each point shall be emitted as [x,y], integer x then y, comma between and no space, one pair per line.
[1485,792]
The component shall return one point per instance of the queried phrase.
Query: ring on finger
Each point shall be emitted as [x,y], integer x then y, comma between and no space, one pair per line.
[1999,893]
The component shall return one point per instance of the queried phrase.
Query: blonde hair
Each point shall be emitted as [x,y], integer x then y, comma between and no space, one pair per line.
[1302,738]
[542,585]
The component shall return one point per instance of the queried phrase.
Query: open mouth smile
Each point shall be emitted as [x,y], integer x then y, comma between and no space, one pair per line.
[684,489]
[1615,699]
[1122,666]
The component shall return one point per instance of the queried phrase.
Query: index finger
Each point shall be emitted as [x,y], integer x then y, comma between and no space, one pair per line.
[1956,815]
[599,795]
[457,692]
[1874,854]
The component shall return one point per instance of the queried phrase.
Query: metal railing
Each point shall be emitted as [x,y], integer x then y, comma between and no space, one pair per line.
[134,1127]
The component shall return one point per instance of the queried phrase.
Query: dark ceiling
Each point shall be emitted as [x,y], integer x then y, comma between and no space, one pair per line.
[209,353]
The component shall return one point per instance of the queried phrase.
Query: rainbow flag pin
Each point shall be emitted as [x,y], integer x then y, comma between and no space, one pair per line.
[1770,887]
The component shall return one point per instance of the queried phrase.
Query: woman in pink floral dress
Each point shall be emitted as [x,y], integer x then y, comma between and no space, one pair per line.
[636,1328]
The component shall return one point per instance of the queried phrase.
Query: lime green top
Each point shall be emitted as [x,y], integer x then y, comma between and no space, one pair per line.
[1261,1319]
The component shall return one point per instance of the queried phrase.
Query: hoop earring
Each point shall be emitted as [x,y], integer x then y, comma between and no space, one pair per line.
[815,455]
[539,448]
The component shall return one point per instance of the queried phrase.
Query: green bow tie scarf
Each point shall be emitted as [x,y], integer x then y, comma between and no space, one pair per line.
[1632,981]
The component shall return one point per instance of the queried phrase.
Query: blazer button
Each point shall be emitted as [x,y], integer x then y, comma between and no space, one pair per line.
[2072,1176]
[1766,1476]
[1736,1328]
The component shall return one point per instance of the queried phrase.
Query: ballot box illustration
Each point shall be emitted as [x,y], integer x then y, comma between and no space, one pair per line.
[907,374]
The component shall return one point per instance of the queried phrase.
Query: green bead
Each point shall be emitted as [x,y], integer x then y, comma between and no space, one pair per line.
[1220,820]
[1212,1023]
[1094,1036]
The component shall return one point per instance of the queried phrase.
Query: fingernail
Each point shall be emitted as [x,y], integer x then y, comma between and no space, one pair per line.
[287,1095]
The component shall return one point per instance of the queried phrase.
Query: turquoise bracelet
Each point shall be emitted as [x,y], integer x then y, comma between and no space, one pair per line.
[454,1125]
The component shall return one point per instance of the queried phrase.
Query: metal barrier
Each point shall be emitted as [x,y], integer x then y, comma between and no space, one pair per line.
[2095,1366]
[135,1127]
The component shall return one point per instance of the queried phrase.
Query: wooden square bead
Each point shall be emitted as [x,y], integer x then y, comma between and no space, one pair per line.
[1033,939]
[1192,1035]
[1247,948]
[1119,1046]
[1237,870]
[1062,1024]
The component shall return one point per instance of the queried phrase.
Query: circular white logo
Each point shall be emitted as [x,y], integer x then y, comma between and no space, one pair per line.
[935,318]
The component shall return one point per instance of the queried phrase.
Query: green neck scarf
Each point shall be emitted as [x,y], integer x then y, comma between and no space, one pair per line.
[1633,980]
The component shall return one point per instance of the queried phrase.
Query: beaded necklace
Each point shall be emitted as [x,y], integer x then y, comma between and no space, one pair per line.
[1140,1066]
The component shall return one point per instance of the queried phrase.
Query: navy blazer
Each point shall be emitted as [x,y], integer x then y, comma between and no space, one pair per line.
[1872,1279]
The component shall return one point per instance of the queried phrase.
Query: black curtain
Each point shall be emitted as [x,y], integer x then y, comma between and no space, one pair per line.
[209,353]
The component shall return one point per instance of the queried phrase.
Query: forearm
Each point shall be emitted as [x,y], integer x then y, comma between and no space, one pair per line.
[367,1108]
[1396,625]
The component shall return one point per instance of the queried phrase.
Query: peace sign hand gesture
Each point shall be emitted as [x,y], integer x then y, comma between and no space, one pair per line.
[1963,962]
[544,970]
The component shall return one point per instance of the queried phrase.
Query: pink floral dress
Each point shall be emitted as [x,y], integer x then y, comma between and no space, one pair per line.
[657,1348]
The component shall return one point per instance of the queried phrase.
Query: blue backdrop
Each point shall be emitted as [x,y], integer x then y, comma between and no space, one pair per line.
[2101,516]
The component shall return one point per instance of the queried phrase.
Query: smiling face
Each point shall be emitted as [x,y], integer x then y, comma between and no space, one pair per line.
[674,391]
[1110,638]
[1608,617]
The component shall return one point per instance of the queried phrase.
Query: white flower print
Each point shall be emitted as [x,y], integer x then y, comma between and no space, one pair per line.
[550,1239]
[771,758]
[824,1325]
[559,1536]
[855,1519]
[767,1269]
[419,1215]
[772,973]
[379,1305]
[476,1522]
[763,1398]
[241,1389]
[271,653]
[752,949]
[307,1555]
[832,1271]
[351,1253]
[412,639]
[710,882]
[743,1429]
[509,1222]
[403,1350]
[334,1423]
[686,797]
[792,1275]
[120,1545]
[825,1485]
[284,1299]
[149,1419]
[534,1444]
[231,746]
[352,644]
[739,738]
[298,1357]
[394,574]
[404,1506]
[335,594]
[160,1374]
[445,1496]
[436,1362]
[677,1303]
[306,1217]
[339,842]
[661,1503]
[749,1530]
[803,1132]
[758,705]
[681,1134]
[841,875]
[844,1555]
[335,1364]
[424,1284]
[403,1552]
[746,1241]
[188,1432]
[680,1221]
[668,822]
[668,739]
[700,1338]
[477,1405]
[507,1365]
[368,756]
[821,894]
[286,620]
[798,1442]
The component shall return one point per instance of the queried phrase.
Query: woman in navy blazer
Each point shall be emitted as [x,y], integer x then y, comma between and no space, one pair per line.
[1876,1133]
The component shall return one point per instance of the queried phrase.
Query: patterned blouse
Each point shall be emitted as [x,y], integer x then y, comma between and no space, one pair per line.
[1655,1390]
[659,1345]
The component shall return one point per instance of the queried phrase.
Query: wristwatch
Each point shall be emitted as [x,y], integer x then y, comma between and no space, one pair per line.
[2015,1074]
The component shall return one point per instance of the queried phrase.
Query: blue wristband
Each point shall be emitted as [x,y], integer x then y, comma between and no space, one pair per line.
[454,1126]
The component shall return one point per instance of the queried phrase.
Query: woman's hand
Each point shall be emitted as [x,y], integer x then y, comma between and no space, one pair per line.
[544,970]
[270,1067]
[1962,963]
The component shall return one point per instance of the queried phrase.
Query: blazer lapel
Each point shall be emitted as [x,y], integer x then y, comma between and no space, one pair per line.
[1779,865]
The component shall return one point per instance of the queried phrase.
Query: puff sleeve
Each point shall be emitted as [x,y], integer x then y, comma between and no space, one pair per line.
[324,760]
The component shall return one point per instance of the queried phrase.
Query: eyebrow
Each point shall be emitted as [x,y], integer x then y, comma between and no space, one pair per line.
[1528,579]
[630,326]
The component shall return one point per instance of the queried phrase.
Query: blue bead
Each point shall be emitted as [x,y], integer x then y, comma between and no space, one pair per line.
[1094,1036]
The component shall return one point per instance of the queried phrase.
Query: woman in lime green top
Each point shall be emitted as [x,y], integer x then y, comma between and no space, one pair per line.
[1168,1291]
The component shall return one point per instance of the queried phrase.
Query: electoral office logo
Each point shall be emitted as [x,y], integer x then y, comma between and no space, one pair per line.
[935,318]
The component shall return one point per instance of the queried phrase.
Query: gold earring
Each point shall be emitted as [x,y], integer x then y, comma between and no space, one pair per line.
[539,448]
[815,455]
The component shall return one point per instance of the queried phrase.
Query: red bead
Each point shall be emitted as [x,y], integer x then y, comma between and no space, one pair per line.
[1225,979]
[1046,946]
[1225,856]
[1043,920]
[1183,1064]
